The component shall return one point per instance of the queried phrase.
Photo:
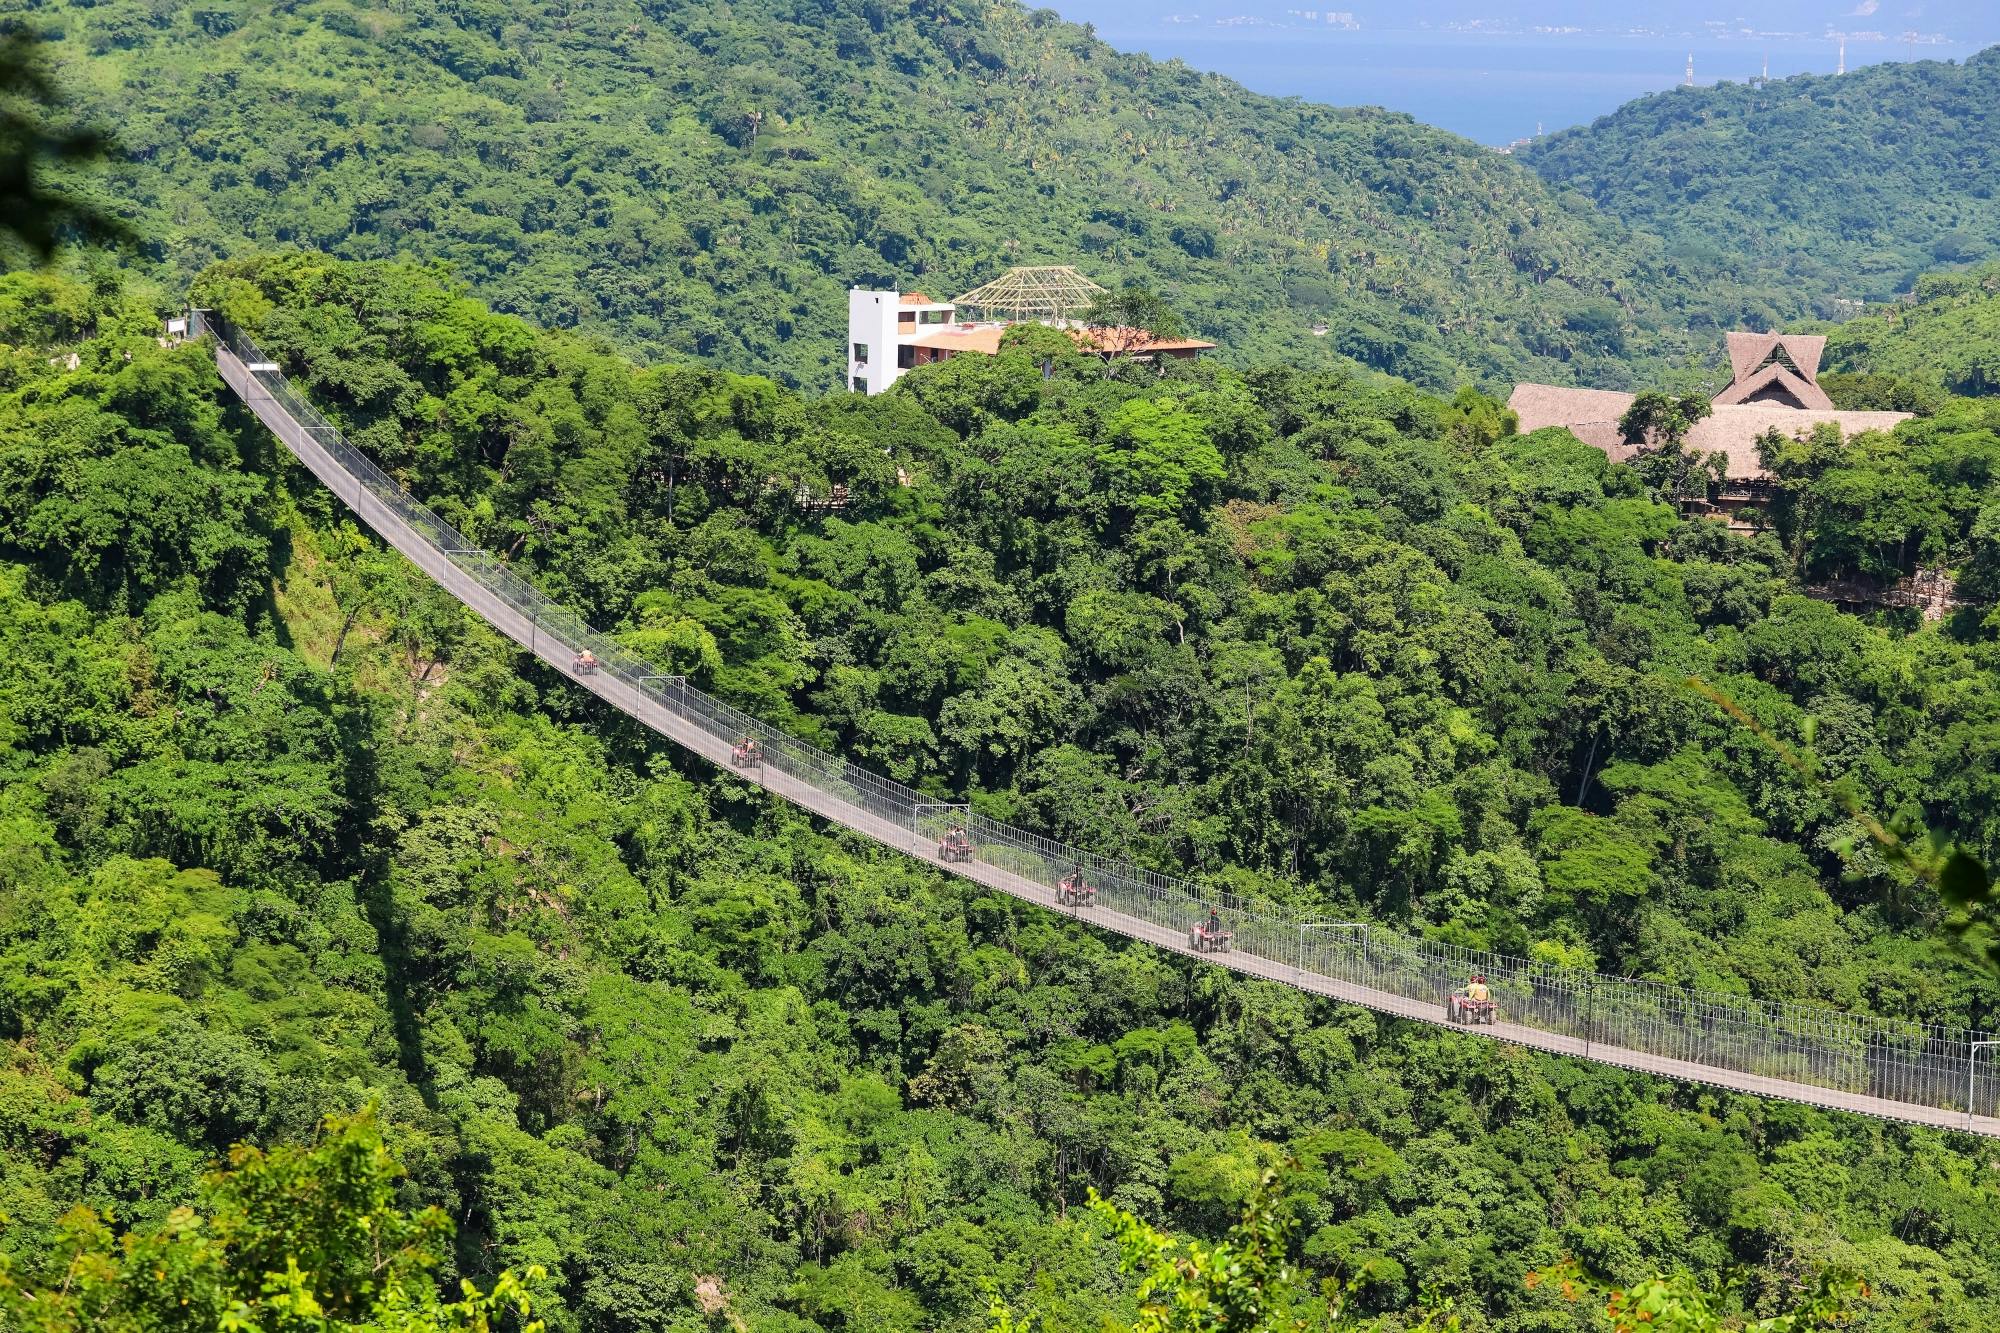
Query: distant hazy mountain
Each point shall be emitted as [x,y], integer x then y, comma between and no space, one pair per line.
[1808,194]
[705,179]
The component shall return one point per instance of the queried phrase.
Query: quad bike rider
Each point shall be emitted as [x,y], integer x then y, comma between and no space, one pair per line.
[586,662]
[1209,936]
[1073,890]
[955,845]
[747,753]
[1473,1004]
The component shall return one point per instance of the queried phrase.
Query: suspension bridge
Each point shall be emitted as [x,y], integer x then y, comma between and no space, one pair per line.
[1867,1065]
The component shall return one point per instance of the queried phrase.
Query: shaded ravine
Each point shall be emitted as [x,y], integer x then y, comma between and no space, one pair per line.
[1866,1065]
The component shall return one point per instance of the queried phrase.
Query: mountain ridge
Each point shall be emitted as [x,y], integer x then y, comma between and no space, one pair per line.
[1808,196]
[704,181]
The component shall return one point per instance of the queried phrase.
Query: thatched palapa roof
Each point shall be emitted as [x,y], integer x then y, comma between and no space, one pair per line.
[1732,429]
[1774,386]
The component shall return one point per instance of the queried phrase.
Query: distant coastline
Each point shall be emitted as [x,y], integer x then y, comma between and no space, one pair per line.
[1493,84]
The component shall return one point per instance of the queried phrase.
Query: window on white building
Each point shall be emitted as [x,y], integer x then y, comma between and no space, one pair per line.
[861,384]
[861,354]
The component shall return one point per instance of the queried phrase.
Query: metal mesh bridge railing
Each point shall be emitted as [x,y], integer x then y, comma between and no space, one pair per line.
[1613,1018]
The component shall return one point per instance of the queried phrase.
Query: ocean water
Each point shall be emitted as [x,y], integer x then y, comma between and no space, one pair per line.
[1493,87]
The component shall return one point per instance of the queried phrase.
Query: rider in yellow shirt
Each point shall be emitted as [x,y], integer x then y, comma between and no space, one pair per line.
[1477,990]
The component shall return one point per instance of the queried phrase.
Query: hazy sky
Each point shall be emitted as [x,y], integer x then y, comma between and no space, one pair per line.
[1497,69]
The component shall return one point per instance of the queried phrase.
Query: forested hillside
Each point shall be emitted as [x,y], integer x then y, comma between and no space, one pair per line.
[1806,196]
[287,831]
[1944,340]
[705,180]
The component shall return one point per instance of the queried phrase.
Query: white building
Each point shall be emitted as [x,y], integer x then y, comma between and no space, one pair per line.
[883,329]
[889,333]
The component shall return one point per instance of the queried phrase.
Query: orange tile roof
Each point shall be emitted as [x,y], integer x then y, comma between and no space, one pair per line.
[916,298]
[1128,341]
[985,341]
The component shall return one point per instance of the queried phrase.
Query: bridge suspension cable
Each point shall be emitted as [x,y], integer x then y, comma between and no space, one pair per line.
[1850,1062]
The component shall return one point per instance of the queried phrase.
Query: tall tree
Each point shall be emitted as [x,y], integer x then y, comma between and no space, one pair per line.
[299,1238]
[1129,318]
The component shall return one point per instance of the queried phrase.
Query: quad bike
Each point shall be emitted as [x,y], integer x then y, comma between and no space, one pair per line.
[746,754]
[1073,890]
[1461,1008]
[586,663]
[954,846]
[1202,939]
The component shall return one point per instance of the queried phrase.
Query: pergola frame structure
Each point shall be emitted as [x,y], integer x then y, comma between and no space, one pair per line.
[1055,292]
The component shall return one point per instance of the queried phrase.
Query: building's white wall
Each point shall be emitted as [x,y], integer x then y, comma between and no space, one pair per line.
[871,319]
